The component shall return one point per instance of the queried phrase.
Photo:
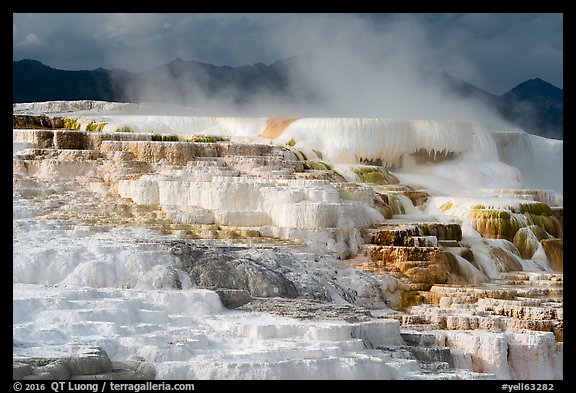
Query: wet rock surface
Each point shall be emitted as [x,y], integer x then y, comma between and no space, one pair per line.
[241,273]
[217,269]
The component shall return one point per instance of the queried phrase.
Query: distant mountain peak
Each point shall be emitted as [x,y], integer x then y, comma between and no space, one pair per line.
[535,87]
[536,83]
[32,63]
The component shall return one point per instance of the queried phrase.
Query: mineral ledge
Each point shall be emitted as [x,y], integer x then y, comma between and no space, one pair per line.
[138,259]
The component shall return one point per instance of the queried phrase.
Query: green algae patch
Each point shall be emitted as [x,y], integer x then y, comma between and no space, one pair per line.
[318,153]
[207,139]
[528,239]
[505,224]
[446,206]
[548,223]
[494,224]
[374,175]
[299,154]
[541,215]
[164,138]
[317,165]
[538,208]
[71,123]
[93,126]
[124,129]
[396,204]
[490,214]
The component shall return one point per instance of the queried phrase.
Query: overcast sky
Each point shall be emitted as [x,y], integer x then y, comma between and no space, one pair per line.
[493,51]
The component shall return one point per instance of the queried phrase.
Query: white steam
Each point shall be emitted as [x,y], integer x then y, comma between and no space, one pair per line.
[342,65]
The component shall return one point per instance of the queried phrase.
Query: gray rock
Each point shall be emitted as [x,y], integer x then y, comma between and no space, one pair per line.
[418,339]
[219,268]
[92,364]
[233,298]
[433,355]
[20,370]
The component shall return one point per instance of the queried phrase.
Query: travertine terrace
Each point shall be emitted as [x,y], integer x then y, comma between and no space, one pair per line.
[279,248]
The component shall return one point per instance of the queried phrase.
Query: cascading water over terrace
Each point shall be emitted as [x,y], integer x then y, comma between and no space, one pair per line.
[417,236]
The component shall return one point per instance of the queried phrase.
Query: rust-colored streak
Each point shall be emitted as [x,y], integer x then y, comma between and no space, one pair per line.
[275,126]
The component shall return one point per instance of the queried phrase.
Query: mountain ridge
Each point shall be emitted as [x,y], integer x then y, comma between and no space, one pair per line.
[533,105]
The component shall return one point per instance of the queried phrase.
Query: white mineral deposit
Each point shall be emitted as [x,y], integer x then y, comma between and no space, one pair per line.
[190,247]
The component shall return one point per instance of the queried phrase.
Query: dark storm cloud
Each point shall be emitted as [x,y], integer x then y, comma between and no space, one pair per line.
[507,49]
[140,41]
[493,51]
